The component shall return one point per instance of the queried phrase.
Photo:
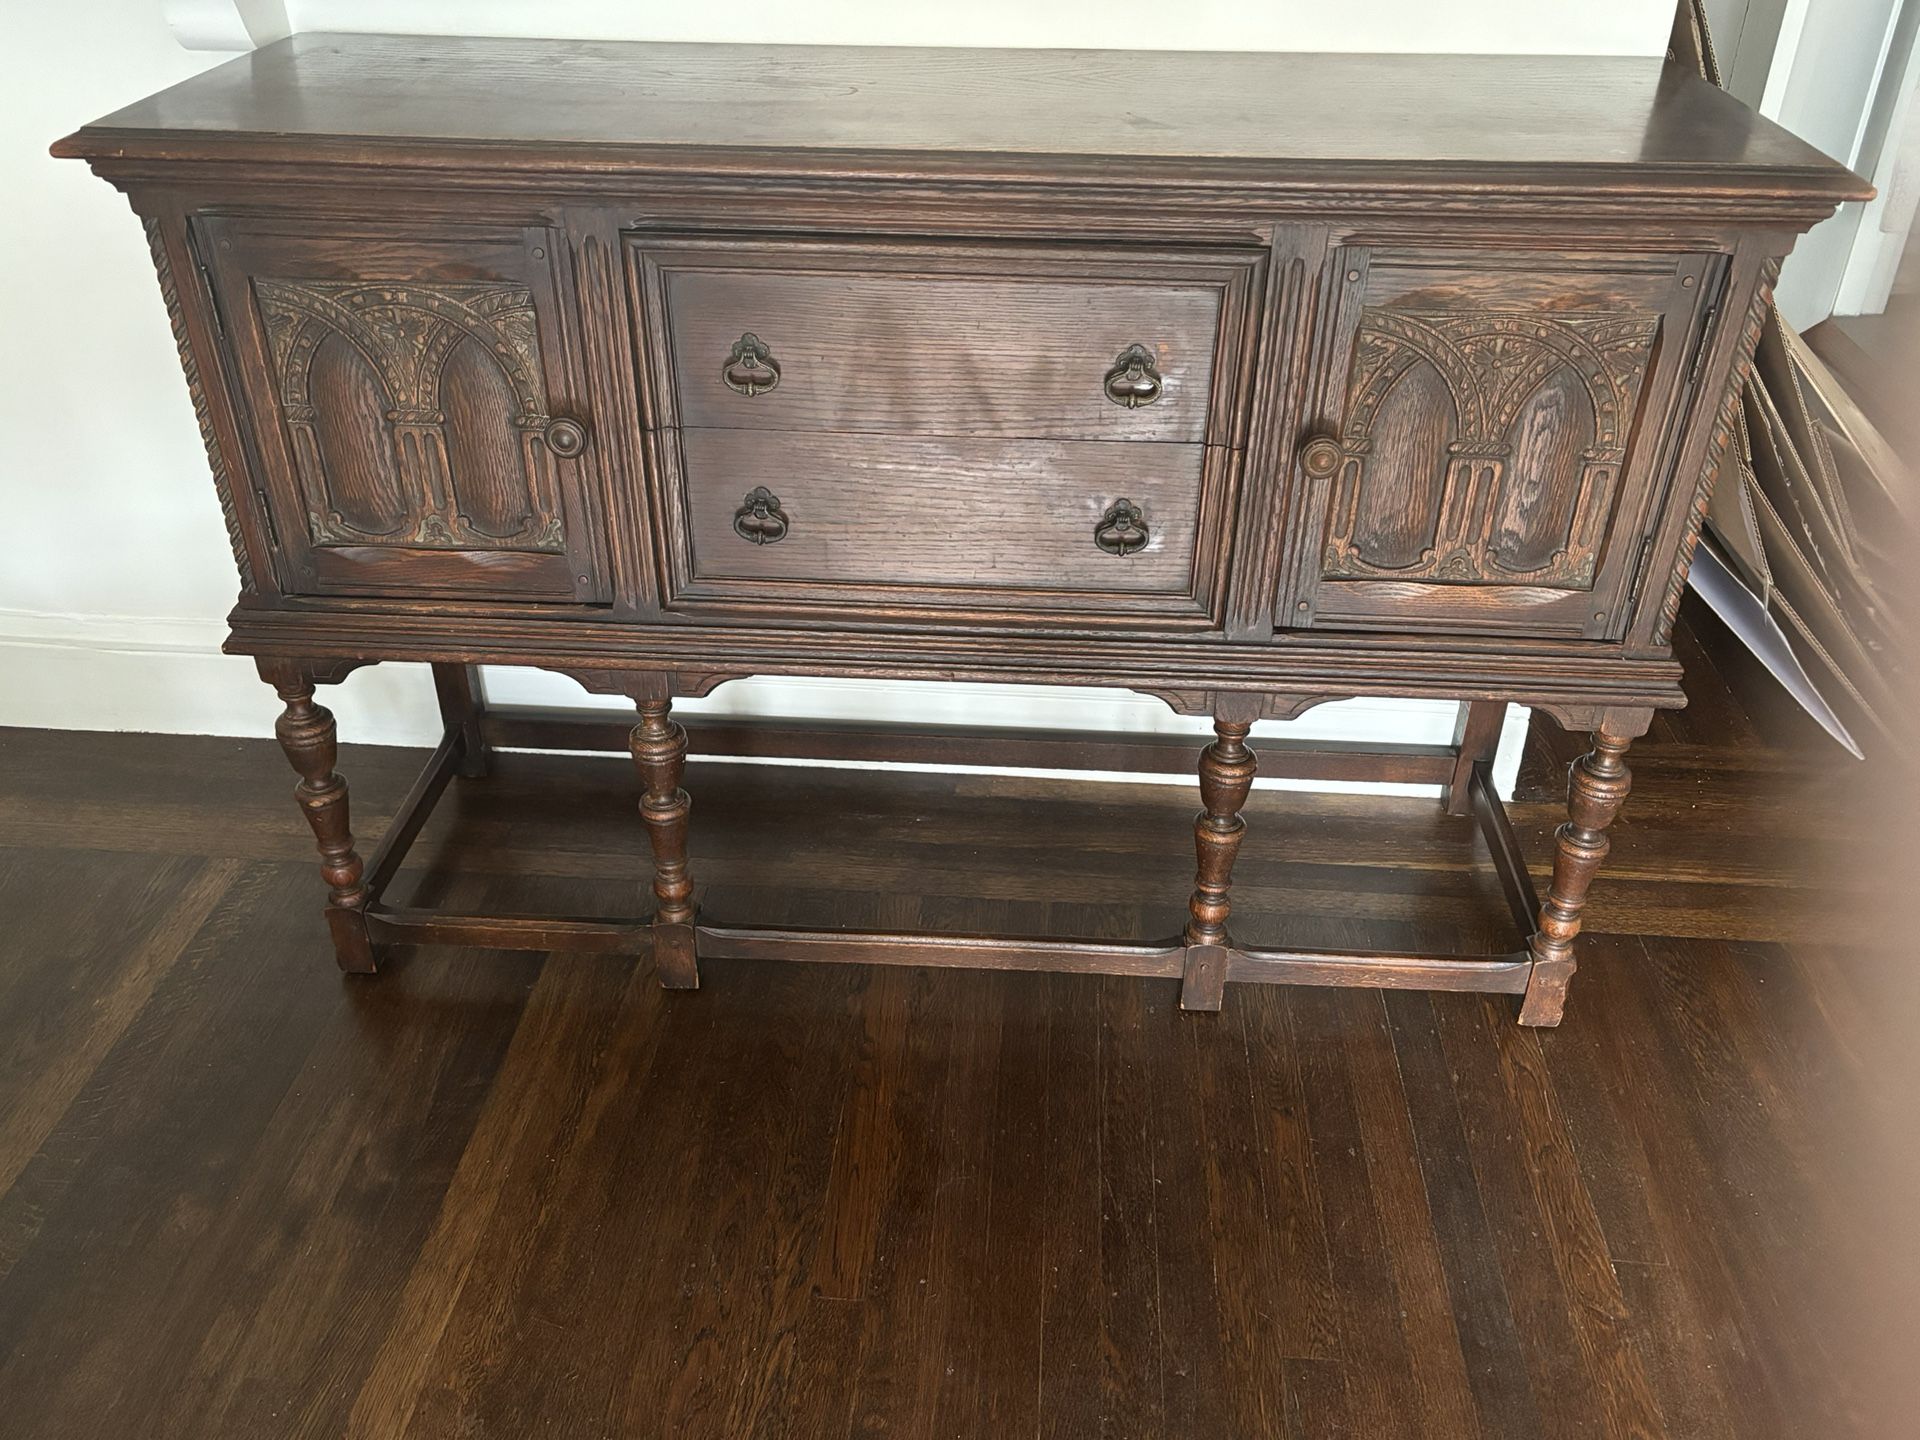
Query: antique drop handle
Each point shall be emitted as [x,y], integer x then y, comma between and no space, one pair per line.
[1320,457]
[750,369]
[1133,381]
[760,518]
[565,438]
[1122,530]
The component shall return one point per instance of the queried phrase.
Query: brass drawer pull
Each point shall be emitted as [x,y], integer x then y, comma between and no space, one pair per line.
[750,369]
[1122,530]
[1133,381]
[565,438]
[760,519]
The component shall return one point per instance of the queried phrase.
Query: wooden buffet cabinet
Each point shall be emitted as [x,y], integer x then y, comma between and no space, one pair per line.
[1249,381]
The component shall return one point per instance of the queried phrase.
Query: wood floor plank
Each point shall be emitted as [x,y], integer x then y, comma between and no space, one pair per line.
[1378,1370]
[1437,1364]
[1763,1390]
[1010,1314]
[175,1145]
[1210,1141]
[1133,1353]
[1072,1398]
[1677,1333]
[1766,1152]
[532,1337]
[1484,1313]
[565,1024]
[1531,1153]
[898,1358]
[115,930]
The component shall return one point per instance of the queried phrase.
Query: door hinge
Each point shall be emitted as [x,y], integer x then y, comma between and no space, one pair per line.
[1640,566]
[1706,343]
[207,287]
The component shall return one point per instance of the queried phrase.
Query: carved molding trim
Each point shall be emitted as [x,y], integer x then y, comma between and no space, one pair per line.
[647,685]
[1629,722]
[407,334]
[283,670]
[1493,364]
[1723,429]
[176,318]
[1238,705]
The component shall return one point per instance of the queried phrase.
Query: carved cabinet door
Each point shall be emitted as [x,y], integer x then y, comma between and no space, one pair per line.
[409,403]
[1488,450]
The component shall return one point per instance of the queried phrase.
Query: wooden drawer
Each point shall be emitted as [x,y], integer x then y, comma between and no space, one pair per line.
[928,510]
[1025,432]
[901,352]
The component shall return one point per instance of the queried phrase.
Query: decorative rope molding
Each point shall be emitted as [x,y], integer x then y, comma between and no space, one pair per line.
[1717,449]
[170,293]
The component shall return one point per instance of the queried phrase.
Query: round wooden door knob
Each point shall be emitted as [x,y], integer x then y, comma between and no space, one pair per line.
[1320,456]
[565,438]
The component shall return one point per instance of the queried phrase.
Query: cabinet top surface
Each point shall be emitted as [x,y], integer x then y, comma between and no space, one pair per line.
[1618,122]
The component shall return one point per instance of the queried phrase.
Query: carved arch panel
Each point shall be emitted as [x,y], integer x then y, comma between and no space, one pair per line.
[1484,446]
[1487,435]
[416,411]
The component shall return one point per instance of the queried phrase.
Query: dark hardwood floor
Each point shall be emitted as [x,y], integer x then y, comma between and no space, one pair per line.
[506,1195]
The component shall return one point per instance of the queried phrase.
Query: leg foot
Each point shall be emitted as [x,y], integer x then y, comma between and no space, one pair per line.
[306,732]
[1226,778]
[659,748]
[1475,738]
[1597,785]
[1546,998]
[1203,980]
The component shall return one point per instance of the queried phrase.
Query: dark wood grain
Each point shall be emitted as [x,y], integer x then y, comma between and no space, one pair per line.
[1597,786]
[924,511]
[462,697]
[909,341]
[659,748]
[999,746]
[1476,737]
[309,738]
[401,390]
[1597,119]
[1500,434]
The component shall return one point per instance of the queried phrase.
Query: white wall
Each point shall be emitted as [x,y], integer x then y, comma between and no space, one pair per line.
[1515,27]
[123,632]
[1835,66]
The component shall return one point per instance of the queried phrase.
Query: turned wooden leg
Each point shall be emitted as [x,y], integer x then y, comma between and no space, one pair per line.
[659,747]
[307,734]
[1475,738]
[461,705]
[1226,778]
[1597,783]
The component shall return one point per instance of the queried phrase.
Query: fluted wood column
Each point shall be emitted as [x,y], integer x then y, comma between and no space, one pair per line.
[1597,784]
[1226,778]
[308,736]
[659,746]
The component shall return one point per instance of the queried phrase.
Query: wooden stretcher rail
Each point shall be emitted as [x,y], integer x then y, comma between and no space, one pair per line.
[1508,861]
[1001,748]
[1503,973]
[594,935]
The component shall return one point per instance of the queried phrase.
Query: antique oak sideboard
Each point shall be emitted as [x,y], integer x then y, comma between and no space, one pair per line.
[1248,381]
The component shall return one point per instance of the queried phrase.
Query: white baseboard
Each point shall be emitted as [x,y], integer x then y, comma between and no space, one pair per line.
[167,676]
